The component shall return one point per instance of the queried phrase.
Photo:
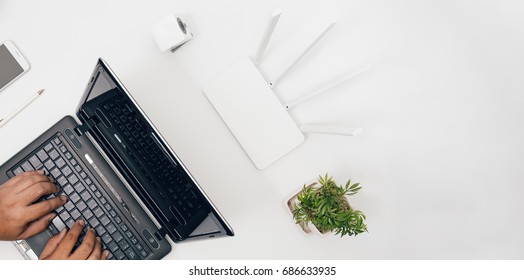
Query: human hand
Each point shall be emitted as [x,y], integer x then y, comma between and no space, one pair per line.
[19,217]
[60,246]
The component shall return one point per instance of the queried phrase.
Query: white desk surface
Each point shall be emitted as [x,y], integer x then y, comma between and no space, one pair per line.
[441,157]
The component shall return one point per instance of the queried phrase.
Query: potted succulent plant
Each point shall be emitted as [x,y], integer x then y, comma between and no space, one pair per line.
[324,204]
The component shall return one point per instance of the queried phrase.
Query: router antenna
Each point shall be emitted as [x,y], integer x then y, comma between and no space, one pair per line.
[332,129]
[317,39]
[270,27]
[327,87]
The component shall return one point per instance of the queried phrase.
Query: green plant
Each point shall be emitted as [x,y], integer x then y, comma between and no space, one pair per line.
[327,208]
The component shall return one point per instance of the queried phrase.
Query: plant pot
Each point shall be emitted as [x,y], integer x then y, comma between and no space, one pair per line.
[308,228]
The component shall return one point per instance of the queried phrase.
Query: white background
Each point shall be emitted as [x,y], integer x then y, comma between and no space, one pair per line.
[441,157]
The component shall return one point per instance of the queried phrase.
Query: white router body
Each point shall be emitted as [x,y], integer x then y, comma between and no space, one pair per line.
[253,113]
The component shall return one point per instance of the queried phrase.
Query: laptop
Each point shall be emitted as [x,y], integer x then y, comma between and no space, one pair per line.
[120,175]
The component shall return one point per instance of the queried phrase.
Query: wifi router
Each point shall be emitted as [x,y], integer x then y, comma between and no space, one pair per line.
[253,113]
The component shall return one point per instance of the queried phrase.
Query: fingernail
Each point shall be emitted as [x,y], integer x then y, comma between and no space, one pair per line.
[41,172]
[63,198]
[81,222]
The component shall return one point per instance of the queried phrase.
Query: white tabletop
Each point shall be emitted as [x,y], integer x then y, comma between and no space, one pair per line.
[441,156]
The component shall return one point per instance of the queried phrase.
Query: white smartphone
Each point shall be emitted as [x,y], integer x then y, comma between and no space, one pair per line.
[12,64]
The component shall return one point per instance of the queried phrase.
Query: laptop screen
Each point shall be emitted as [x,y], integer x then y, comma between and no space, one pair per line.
[100,85]
[149,165]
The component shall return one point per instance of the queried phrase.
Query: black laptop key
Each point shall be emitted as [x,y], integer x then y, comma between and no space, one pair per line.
[68,189]
[57,141]
[111,228]
[66,171]
[35,161]
[73,179]
[88,214]
[75,214]
[64,215]
[112,246]
[56,173]
[60,162]
[42,155]
[69,206]
[18,170]
[74,197]
[98,212]
[48,147]
[131,254]
[54,154]
[85,196]
[104,220]
[107,238]
[118,236]
[81,206]
[92,204]
[78,187]
[61,181]
[123,245]
[49,165]
[58,223]
[119,255]
[26,166]
[93,222]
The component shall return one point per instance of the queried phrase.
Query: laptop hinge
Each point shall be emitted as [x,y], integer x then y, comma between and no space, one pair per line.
[87,126]
[160,234]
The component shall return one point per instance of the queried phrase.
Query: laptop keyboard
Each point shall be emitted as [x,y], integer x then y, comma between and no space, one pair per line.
[169,182]
[85,201]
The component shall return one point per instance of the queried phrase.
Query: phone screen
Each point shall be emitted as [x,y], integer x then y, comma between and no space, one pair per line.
[9,67]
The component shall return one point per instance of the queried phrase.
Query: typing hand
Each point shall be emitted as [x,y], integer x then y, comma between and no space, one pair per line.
[60,246]
[19,217]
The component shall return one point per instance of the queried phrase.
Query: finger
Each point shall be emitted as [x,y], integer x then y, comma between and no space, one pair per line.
[52,244]
[71,237]
[37,226]
[16,179]
[96,254]
[105,255]
[41,208]
[26,179]
[36,190]
[86,248]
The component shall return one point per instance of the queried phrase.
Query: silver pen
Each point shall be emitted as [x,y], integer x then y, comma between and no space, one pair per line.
[4,120]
